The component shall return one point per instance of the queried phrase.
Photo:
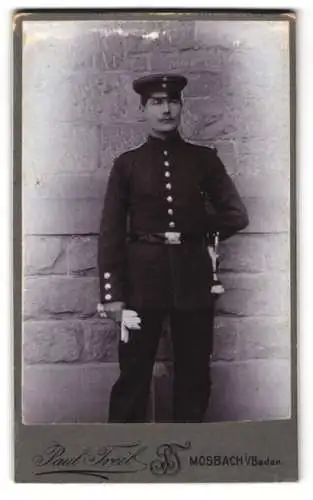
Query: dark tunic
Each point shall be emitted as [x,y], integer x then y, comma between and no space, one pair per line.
[158,187]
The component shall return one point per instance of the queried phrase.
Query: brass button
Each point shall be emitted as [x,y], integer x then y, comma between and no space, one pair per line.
[166,163]
[107,275]
[108,296]
[169,199]
[165,152]
[170,211]
[172,224]
[107,286]
[168,185]
[167,173]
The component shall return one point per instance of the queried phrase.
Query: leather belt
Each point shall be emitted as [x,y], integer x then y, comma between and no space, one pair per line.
[168,238]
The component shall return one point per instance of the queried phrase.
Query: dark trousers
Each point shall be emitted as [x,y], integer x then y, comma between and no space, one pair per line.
[192,339]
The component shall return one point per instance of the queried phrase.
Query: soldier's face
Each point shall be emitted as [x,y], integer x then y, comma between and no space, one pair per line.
[162,112]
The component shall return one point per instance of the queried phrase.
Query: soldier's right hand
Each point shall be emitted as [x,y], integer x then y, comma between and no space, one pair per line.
[130,320]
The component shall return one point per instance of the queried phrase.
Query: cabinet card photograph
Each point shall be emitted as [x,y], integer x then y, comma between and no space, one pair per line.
[154,209]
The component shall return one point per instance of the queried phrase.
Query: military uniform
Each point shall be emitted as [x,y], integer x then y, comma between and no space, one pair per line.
[164,186]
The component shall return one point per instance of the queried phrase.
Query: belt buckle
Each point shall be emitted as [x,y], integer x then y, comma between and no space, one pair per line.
[172,238]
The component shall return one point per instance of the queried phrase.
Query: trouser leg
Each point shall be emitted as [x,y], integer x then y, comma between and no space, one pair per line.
[192,338]
[130,393]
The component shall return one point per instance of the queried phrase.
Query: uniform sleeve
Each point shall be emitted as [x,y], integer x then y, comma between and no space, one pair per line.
[112,237]
[230,214]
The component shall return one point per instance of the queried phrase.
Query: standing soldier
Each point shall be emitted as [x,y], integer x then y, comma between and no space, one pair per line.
[153,257]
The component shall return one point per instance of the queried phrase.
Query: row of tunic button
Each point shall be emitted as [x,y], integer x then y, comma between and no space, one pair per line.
[168,186]
[107,286]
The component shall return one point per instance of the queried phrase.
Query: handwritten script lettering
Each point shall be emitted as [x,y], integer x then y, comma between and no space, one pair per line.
[127,458]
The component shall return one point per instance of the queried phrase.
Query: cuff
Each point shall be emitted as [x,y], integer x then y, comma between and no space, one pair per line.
[114,310]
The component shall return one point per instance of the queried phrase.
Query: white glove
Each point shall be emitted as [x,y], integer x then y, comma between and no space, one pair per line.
[130,319]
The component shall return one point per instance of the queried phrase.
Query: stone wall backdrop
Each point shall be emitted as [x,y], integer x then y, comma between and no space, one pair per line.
[79,112]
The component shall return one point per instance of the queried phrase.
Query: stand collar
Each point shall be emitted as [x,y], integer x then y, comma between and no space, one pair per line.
[172,139]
